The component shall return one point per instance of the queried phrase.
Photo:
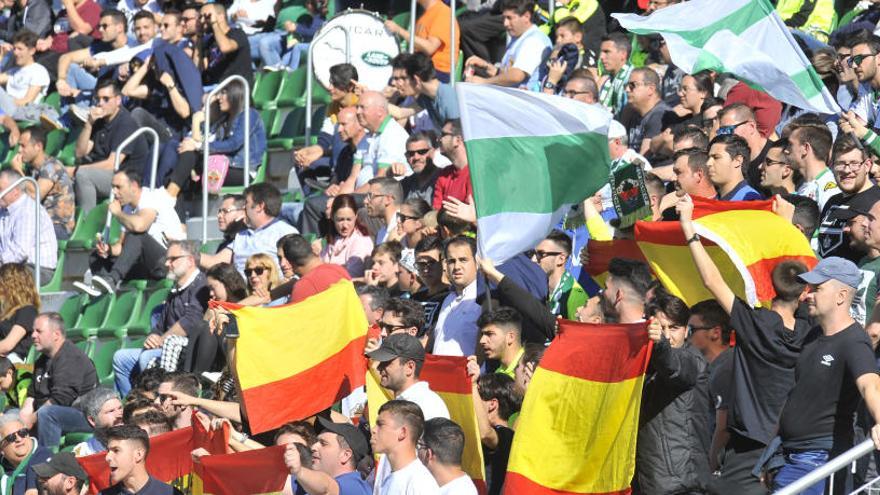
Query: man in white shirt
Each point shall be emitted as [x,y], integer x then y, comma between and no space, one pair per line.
[148,221]
[456,331]
[527,48]
[398,428]
[26,82]
[440,451]
[386,154]
[18,228]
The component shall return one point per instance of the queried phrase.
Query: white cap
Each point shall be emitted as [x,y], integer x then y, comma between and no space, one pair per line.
[616,130]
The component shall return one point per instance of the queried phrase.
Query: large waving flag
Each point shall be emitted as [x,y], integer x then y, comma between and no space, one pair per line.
[447,376]
[296,360]
[744,238]
[577,430]
[531,156]
[251,472]
[745,38]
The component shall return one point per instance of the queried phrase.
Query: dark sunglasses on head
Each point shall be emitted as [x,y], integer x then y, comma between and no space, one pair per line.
[421,152]
[258,270]
[22,433]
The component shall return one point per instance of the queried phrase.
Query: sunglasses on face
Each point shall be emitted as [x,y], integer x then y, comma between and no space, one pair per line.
[22,433]
[856,60]
[421,152]
[388,327]
[402,218]
[726,130]
[257,269]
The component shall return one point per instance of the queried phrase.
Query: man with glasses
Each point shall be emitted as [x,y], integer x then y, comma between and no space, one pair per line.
[739,119]
[171,28]
[181,314]
[566,294]
[20,453]
[398,361]
[850,164]
[230,219]
[778,176]
[189,19]
[454,181]
[420,153]
[383,202]
[643,93]
[62,373]
[809,148]
[149,221]
[428,252]
[581,89]
[728,154]
[224,51]
[403,315]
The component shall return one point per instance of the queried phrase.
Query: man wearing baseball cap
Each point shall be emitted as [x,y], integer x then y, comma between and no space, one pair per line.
[834,368]
[335,456]
[61,475]
[858,219]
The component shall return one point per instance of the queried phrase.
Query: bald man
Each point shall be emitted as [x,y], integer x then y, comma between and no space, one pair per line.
[387,139]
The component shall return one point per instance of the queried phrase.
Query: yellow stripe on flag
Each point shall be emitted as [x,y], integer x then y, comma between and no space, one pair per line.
[739,229]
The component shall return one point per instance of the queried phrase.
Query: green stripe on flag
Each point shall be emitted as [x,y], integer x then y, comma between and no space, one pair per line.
[736,22]
[536,174]
[809,82]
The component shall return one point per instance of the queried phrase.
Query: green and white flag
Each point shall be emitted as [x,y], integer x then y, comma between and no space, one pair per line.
[531,156]
[745,38]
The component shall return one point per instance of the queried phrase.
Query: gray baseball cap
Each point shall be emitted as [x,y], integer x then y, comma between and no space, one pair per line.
[840,269]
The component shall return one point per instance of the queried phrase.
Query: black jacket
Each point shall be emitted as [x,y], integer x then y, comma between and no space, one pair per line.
[673,441]
[62,378]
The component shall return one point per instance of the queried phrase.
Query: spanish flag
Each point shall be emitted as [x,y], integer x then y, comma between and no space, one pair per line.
[601,253]
[447,376]
[296,360]
[744,238]
[576,433]
[251,472]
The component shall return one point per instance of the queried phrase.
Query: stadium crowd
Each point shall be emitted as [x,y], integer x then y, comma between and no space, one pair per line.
[737,399]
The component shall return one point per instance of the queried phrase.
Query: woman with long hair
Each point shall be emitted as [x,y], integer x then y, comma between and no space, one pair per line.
[348,243]
[19,306]
[226,138]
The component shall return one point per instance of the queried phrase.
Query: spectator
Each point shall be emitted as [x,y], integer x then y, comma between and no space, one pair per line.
[61,374]
[171,29]
[692,173]
[528,363]
[614,54]
[387,139]
[673,423]
[275,48]
[410,222]
[24,85]
[383,201]
[495,402]
[808,150]
[399,360]
[18,229]
[228,132]
[76,25]
[230,219]
[314,275]
[348,242]
[103,410]
[180,416]
[766,111]
[262,206]
[225,284]
[408,277]
[13,383]
[526,51]
[440,450]
[739,119]
[727,157]
[500,338]
[420,153]
[374,300]
[20,454]
[262,275]
[108,125]
[130,8]
[643,94]
[61,474]
[863,60]
[403,315]
[189,19]
[127,450]
[428,253]
[153,422]
[581,89]
[56,185]
[339,449]
[567,56]
[849,164]
[780,176]
[432,36]
[455,333]
[19,305]
[33,15]
[454,181]
[566,294]
[252,17]
[180,314]
[385,271]
[223,51]
[413,76]
[150,222]
[396,433]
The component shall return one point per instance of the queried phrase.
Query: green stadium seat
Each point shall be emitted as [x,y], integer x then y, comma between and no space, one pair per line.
[124,312]
[291,12]
[55,141]
[94,315]
[54,285]
[141,325]
[134,343]
[292,90]
[102,356]
[83,236]
[85,346]
[53,100]
[32,356]
[260,177]
[266,91]
[70,310]
[210,247]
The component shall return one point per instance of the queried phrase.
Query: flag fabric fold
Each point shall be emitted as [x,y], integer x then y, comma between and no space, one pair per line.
[531,156]
[746,38]
[577,430]
[296,360]
[251,472]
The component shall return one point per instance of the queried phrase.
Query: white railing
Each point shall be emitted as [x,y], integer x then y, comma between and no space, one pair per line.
[453,52]
[37,221]
[310,73]
[828,469]
[206,143]
[116,161]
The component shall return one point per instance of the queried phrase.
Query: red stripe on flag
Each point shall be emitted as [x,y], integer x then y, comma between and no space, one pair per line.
[308,393]
[252,471]
[446,374]
[762,273]
[517,483]
[705,206]
[569,359]
[601,253]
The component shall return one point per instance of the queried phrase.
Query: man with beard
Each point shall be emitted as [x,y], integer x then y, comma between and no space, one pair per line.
[420,151]
[103,410]
[626,289]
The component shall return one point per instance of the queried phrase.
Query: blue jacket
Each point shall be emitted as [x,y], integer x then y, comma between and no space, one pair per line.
[232,144]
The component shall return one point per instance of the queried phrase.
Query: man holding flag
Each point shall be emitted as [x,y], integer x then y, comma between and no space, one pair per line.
[335,457]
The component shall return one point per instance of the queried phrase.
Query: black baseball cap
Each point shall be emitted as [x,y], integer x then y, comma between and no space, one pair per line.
[351,434]
[399,345]
[860,204]
[64,463]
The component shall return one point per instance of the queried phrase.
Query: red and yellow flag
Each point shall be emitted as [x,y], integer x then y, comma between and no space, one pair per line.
[296,360]
[447,376]
[601,253]
[576,433]
[251,472]
[744,238]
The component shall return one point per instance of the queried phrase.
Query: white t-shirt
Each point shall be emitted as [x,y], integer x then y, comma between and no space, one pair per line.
[462,485]
[386,146]
[414,479]
[130,8]
[431,404]
[256,11]
[526,53]
[820,189]
[167,222]
[22,78]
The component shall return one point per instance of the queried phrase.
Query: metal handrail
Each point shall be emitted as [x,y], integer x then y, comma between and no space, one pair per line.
[829,468]
[37,221]
[310,72]
[155,166]
[453,52]
[206,144]
[412,26]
